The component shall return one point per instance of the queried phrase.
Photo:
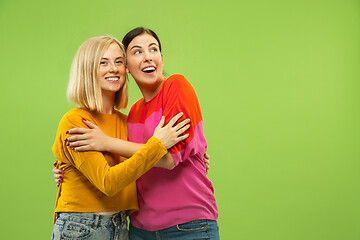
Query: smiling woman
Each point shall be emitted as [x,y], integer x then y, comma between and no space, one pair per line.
[177,204]
[181,203]
[145,63]
[99,189]
[112,75]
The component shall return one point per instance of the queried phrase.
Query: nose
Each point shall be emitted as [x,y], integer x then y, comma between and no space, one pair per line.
[147,57]
[113,68]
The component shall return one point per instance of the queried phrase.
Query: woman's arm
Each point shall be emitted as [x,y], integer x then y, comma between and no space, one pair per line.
[165,162]
[179,96]
[94,139]
[111,179]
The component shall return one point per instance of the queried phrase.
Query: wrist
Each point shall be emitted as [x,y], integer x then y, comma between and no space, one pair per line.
[107,144]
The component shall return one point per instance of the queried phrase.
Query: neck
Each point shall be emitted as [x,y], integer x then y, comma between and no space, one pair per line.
[149,92]
[108,103]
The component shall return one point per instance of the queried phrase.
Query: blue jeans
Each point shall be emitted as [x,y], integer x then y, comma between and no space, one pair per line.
[198,229]
[90,226]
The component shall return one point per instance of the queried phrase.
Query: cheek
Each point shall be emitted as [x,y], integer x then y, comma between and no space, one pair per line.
[132,63]
[101,72]
[123,70]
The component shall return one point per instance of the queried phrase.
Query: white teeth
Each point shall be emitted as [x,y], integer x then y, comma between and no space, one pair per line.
[112,79]
[149,69]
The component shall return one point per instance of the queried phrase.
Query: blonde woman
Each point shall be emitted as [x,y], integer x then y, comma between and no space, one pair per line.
[99,189]
[176,204]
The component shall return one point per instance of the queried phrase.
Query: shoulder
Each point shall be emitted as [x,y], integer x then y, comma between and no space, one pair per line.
[74,117]
[121,116]
[178,85]
[176,79]
[136,106]
[177,82]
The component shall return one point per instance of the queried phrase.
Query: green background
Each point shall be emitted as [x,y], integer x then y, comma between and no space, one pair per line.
[278,83]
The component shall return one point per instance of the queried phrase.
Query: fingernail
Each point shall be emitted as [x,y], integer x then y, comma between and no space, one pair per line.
[61,177]
[67,132]
[66,139]
[73,149]
[83,119]
[54,164]
[68,144]
[60,172]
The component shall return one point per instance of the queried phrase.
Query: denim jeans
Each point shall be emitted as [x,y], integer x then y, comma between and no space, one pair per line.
[90,226]
[198,229]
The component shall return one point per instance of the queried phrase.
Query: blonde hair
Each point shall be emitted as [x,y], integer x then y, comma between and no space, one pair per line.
[84,87]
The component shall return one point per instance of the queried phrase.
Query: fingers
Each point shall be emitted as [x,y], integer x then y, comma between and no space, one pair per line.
[82,148]
[76,138]
[56,171]
[58,178]
[182,130]
[207,162]
[77,143]
[174,119]
[182,124]
[79,130]
[183,137]
[161,123]
[90,124]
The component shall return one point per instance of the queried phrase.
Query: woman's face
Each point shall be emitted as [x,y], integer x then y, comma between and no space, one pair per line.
[145,61]
[112,70]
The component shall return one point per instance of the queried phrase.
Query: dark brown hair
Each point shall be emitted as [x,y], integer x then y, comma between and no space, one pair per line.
[136,32]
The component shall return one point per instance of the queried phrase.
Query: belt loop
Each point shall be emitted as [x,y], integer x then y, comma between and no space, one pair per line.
[117,226]
[114,219]
[123,219]
[96,221]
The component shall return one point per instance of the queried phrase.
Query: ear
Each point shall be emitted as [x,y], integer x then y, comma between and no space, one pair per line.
[127,70]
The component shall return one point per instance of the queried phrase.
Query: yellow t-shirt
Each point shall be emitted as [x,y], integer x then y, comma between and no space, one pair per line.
[95,181]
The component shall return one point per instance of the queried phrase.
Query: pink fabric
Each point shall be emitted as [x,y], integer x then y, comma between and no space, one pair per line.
[170,197]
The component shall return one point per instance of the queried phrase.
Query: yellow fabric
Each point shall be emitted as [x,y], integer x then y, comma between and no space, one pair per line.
[94,181]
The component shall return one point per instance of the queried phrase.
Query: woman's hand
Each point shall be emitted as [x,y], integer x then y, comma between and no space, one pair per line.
[170,134]
[57,175]
[92,139]
[207,162]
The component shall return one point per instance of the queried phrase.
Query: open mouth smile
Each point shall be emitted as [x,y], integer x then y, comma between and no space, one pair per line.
[112,78]
[149,69]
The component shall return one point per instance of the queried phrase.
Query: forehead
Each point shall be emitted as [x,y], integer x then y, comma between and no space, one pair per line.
[113,50]
[142,40]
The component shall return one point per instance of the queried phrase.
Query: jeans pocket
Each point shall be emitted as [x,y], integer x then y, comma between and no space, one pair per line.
[193,226]
[57,229]
[74,230]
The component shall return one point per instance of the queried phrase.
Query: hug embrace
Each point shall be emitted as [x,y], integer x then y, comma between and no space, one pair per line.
[148,165]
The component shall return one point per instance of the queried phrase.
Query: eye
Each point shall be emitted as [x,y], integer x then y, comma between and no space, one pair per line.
[118,62]
[137,52]
[154,50]
[103,62]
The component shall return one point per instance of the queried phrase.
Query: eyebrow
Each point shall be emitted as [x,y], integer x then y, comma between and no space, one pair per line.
[137,46]
[115,58]
[153,44]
